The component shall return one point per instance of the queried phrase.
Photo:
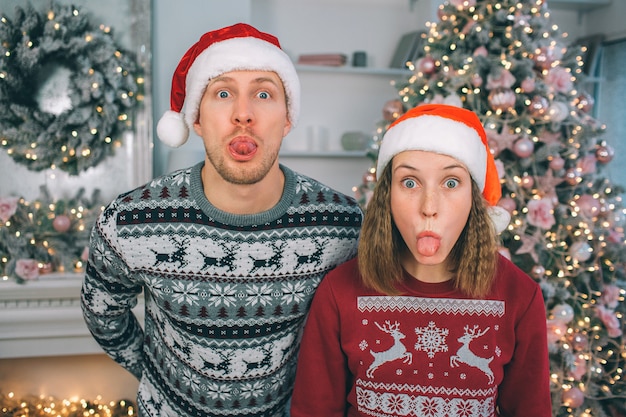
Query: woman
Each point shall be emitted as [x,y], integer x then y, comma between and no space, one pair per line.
[429,320]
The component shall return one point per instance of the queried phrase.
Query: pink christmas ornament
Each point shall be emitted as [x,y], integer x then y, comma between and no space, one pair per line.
[558,111]
[589,206]
[26,268]
[523,147]
[45,268]
[8,207]
[502,99]
[501,79]
[587,164]
[528,85]
[563,312]
[572,176]
[538,106]
[540,213]
[608,317]
[528,182]
[425,64]
[559,79]
[573,397]
[556,331]
[369,178]
[584,102]
[604,153]
[61,223]
[611,295]
[476,80]
[579,369]
[392,110]
[579,342]
[544,57]
[440,13]
[557,163]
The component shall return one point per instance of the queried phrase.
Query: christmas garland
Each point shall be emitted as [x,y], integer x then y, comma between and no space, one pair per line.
[66,89]
[46,235]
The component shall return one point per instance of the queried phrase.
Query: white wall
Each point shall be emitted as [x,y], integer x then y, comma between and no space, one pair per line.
[608,20]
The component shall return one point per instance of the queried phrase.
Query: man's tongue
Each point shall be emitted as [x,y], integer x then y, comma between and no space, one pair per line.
[428,245]
[242,148]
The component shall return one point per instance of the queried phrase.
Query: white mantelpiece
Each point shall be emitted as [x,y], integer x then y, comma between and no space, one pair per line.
[43,318]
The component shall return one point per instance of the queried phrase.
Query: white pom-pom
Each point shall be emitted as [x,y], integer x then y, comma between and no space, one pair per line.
[500,218]
[172,129]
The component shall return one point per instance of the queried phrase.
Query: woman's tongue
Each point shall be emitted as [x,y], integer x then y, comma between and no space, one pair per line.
[242,149]
[428,245]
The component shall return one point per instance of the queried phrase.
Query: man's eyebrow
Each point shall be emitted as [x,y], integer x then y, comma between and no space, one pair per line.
[258,80]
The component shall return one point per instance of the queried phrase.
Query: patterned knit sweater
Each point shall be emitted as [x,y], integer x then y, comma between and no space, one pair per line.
[428,352]
[225,295]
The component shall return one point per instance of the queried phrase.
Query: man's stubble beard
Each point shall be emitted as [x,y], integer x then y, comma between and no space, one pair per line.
[243,174]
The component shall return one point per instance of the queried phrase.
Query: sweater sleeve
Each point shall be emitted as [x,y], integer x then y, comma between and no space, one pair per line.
[321,377]
[525,390]
[108,296]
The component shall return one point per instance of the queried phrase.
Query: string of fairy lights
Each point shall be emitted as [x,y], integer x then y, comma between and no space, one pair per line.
[45,406]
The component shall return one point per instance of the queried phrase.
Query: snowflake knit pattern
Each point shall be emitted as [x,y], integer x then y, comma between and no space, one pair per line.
[225,295]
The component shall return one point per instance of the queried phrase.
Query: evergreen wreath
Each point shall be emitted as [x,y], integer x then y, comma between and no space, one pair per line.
[66,89]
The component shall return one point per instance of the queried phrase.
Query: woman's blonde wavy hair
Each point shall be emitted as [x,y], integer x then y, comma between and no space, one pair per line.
[473,258]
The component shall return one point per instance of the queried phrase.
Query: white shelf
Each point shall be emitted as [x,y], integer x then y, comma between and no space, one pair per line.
[580,5]
[391,72]
[318,154]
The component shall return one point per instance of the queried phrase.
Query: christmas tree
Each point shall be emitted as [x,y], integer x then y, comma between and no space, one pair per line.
[508,62]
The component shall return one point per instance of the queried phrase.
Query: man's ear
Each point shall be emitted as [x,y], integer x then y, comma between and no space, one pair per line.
[196,127]
[287,127]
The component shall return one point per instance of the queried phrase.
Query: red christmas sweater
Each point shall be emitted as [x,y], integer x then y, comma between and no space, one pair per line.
[429,352]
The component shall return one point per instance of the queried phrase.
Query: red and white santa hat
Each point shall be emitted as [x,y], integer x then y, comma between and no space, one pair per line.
[233,48]
[452,131]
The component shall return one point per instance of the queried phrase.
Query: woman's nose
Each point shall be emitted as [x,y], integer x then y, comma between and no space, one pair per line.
[429,203]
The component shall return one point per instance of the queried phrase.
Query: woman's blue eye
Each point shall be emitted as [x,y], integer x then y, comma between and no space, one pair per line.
[452,183]
[222,94]
[409,183]
[264,95]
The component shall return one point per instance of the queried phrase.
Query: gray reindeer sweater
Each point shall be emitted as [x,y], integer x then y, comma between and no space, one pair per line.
[225,295]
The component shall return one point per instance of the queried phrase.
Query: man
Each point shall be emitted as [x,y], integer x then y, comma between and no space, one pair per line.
[228,253]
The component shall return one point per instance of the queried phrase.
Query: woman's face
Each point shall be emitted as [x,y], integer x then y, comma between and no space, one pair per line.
[431,198]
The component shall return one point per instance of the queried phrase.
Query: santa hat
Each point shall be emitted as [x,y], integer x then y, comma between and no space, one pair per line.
[452,131]
[233,48]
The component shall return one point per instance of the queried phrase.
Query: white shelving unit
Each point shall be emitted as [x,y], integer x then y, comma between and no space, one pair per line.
[580,5]
[336,100]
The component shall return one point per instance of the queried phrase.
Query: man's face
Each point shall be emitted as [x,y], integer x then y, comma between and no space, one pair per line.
[242,120]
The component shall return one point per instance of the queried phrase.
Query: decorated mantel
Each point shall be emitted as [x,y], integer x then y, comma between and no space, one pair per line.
[74,132]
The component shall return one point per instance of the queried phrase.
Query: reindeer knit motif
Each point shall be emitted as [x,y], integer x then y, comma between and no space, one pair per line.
[428,352]
[225,295]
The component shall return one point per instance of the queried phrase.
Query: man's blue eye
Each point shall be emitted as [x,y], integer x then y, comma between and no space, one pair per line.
[223,94]
[264,95]
[452,183]
[409,183]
